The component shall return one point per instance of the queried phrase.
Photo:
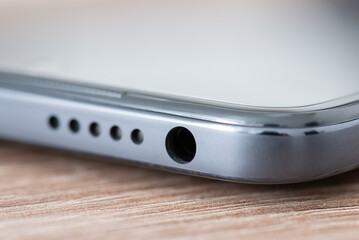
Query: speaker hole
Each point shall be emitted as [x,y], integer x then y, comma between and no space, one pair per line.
[137,136]
[116,133]
[181,145]
[95,129]
[54,122]
[74,126]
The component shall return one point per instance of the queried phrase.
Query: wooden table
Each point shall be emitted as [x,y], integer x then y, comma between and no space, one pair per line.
[51,194]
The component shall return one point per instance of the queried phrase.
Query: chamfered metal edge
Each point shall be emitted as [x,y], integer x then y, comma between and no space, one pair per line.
[156,167]
[329,113]
[314,141]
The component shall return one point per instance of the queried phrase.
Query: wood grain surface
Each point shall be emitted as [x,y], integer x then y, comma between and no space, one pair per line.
[51,194]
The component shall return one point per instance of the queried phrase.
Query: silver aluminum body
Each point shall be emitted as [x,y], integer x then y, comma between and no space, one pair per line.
[251,145]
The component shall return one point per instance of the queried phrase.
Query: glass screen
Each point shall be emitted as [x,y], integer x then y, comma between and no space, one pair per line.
[270,53]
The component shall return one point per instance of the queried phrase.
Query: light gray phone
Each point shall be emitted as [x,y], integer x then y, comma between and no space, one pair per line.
[254,91]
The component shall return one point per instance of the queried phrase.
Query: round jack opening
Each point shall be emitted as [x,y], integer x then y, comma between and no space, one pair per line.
[181,145]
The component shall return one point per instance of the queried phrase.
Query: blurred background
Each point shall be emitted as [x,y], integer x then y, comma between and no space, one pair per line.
[271,53]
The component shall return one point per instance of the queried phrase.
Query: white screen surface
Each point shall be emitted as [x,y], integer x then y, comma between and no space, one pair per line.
[273,53]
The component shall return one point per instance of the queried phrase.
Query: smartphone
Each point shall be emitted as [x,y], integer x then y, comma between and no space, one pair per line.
[245,91]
